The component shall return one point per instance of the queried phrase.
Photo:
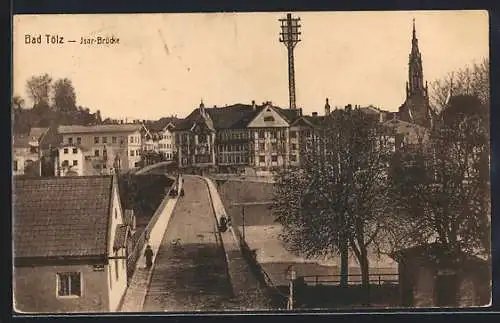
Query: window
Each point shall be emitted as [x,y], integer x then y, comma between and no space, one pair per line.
[69,284]
[131,140]
[75,162]
[274,147]
[131,153]
[104,166]
[273,134]
[262,146]
[262,159]
[15,166]
[113,140]
[293,134]
[75,151]
[136,164]
[105,153]
[293,158]
[104,140]
[65,163]
[274,158]
[96,140]
[116,269]
[70,140]
[79,140]
[262,134]
[96,153]
[65,150]
[294,146]
[121,141]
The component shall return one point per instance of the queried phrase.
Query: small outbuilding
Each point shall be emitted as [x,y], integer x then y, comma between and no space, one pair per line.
[433,276]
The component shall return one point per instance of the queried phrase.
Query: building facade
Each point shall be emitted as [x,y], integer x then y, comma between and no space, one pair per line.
[233,138]
[104,147]
[25,156]
[78,263]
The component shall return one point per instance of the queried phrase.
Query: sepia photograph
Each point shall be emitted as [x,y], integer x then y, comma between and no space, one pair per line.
[258,161]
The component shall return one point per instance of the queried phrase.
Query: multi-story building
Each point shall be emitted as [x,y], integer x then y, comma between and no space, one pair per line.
[166,141]
[104,147]
[234,137]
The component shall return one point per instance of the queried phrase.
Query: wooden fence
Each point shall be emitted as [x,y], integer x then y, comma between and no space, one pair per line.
[354,279]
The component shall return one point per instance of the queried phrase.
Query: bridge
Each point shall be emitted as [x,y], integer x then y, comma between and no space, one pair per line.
[195,266]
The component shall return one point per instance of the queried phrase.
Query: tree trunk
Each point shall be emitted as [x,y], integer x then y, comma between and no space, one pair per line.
[365,278]
[344,262]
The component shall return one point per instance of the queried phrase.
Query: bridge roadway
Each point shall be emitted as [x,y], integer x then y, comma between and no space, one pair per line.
[190,272]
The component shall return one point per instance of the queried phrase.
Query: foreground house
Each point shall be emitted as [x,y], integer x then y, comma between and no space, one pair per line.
[69,245]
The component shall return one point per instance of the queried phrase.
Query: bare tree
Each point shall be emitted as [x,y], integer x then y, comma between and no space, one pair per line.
[443,187]
[472,80]
[339,198]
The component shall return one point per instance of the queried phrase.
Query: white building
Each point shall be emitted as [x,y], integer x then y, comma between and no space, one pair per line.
[104,146]
[166,141]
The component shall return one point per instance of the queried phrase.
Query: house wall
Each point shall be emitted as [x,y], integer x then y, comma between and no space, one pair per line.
[126,145]
[117,268]
[70,156]
[21,156]
[35,290]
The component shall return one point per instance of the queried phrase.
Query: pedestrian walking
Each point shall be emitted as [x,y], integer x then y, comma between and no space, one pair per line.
[223,224]
[149,256]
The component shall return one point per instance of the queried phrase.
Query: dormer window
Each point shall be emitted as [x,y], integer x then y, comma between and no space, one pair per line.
[269,118]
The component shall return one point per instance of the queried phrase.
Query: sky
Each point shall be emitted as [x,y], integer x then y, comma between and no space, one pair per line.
[165,64]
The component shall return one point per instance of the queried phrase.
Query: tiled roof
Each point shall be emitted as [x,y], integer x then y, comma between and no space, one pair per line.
[19,141]
[99,128]
[236,116]
[36,133]
[61,216]
[289,114]
[120,236]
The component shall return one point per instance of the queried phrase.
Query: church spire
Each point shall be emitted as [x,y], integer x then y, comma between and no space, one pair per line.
[415,71]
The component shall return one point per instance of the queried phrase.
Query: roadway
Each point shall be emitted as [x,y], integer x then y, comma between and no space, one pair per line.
[190,272]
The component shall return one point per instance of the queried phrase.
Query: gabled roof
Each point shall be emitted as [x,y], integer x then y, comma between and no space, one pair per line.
[75,129]
[61,216]
[20,141]
[36,133]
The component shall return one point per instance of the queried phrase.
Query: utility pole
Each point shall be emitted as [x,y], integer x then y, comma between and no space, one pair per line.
[243,216]
[289,35]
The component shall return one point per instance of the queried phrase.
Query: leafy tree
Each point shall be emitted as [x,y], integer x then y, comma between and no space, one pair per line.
[18,102]
[339,198]
[39,89]
[64,96]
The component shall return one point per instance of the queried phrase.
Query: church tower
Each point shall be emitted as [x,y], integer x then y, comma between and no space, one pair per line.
[415,86]
[416,108]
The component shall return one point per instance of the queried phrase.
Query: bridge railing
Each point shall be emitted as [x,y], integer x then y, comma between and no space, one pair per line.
[139,244]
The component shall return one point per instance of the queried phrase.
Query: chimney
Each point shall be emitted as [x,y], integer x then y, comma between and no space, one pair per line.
[253,105]
[327,108]
[315,114]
